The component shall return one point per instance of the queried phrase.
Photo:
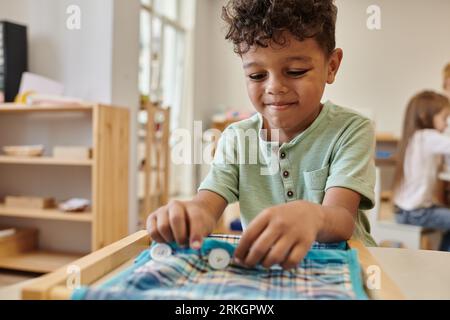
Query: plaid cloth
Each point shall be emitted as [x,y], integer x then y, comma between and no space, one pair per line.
[329,271]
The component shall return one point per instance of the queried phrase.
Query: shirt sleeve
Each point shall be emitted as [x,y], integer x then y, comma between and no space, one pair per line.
[223,175]
[437,142]
[352,165]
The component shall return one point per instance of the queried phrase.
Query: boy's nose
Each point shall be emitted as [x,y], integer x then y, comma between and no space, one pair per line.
[276,87]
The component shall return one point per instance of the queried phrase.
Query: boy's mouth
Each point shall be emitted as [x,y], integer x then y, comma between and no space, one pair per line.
[279,106]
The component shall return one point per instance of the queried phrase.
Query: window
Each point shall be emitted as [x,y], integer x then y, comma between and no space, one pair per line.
[162,54]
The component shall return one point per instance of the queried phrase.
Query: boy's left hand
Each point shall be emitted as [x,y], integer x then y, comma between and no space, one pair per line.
[281,234]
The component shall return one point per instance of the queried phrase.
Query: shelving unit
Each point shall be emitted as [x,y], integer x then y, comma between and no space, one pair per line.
[45,214]
[102,179]
[10,107]
[45,161]
[386,143]
[38,261]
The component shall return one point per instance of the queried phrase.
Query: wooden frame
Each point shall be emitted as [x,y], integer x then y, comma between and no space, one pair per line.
[115,257]
[109,184]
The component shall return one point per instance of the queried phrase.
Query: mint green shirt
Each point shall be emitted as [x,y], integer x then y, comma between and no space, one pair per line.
[336,150]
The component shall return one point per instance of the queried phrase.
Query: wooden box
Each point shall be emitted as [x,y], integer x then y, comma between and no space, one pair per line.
[73,153]
[22,240]
[29,202]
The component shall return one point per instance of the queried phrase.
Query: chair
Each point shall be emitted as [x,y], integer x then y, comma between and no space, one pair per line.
[402,235]
[156,163]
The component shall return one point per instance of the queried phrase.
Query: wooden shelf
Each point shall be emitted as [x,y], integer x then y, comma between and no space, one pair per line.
[38,261]
[386,195]
[45,214]
[385,161]
[107,221]
[45,161]
[386,137]
[12,107]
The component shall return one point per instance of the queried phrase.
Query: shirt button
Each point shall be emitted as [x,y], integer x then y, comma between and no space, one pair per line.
[161,251]
[219,258]
[283,155]
[290,194]
[286,174]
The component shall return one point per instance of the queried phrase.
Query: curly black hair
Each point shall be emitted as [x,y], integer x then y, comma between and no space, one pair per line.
[258,22]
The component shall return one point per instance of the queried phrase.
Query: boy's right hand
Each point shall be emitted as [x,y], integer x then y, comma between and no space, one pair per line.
[186,222]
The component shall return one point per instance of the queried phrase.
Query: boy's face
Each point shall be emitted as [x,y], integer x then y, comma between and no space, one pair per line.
[286,84]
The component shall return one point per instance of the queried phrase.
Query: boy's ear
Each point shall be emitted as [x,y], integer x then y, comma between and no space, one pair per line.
[334,62]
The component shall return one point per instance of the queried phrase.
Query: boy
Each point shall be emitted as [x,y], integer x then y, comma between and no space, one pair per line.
[324,153]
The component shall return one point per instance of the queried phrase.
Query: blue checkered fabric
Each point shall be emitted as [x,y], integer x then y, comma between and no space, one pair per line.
[329,271]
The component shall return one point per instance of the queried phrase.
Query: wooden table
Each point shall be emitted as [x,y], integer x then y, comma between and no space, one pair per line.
[419,274]
[410,274]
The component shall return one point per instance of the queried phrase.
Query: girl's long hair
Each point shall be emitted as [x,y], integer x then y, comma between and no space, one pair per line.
[419,115]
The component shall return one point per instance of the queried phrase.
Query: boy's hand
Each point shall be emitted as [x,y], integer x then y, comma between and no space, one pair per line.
[281,234]
[185,222]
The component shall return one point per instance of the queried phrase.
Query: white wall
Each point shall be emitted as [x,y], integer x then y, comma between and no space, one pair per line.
[380,72]
[81,59]
[219,80]
[383,69]
[124,84]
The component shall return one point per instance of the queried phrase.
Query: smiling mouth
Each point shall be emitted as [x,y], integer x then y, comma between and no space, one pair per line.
[281,106]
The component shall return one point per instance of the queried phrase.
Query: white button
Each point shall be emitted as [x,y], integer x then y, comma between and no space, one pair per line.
[219,258]
[161,251]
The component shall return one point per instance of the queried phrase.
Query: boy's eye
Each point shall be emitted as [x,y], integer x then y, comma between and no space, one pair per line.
[257,76]
[296,73]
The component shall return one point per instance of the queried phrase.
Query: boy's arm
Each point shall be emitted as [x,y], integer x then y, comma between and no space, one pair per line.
[339,211]
[212,202]
[284,234]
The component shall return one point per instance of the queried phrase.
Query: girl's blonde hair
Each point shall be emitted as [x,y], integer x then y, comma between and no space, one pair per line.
[446,73]
[419,115]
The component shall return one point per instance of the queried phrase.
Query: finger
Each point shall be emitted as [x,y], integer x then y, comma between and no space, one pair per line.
[153,230]
[249,236]
[279,252]
[261,247]
[296,255]
[197,229]
[177,221]
[163,225]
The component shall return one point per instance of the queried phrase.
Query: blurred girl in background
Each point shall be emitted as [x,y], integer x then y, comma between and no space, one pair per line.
[420,158]
[446,84]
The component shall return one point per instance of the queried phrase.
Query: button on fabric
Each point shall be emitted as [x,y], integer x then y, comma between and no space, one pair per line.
[290,194]
[161,251]
[286,174]
[219,258]
[283,155]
